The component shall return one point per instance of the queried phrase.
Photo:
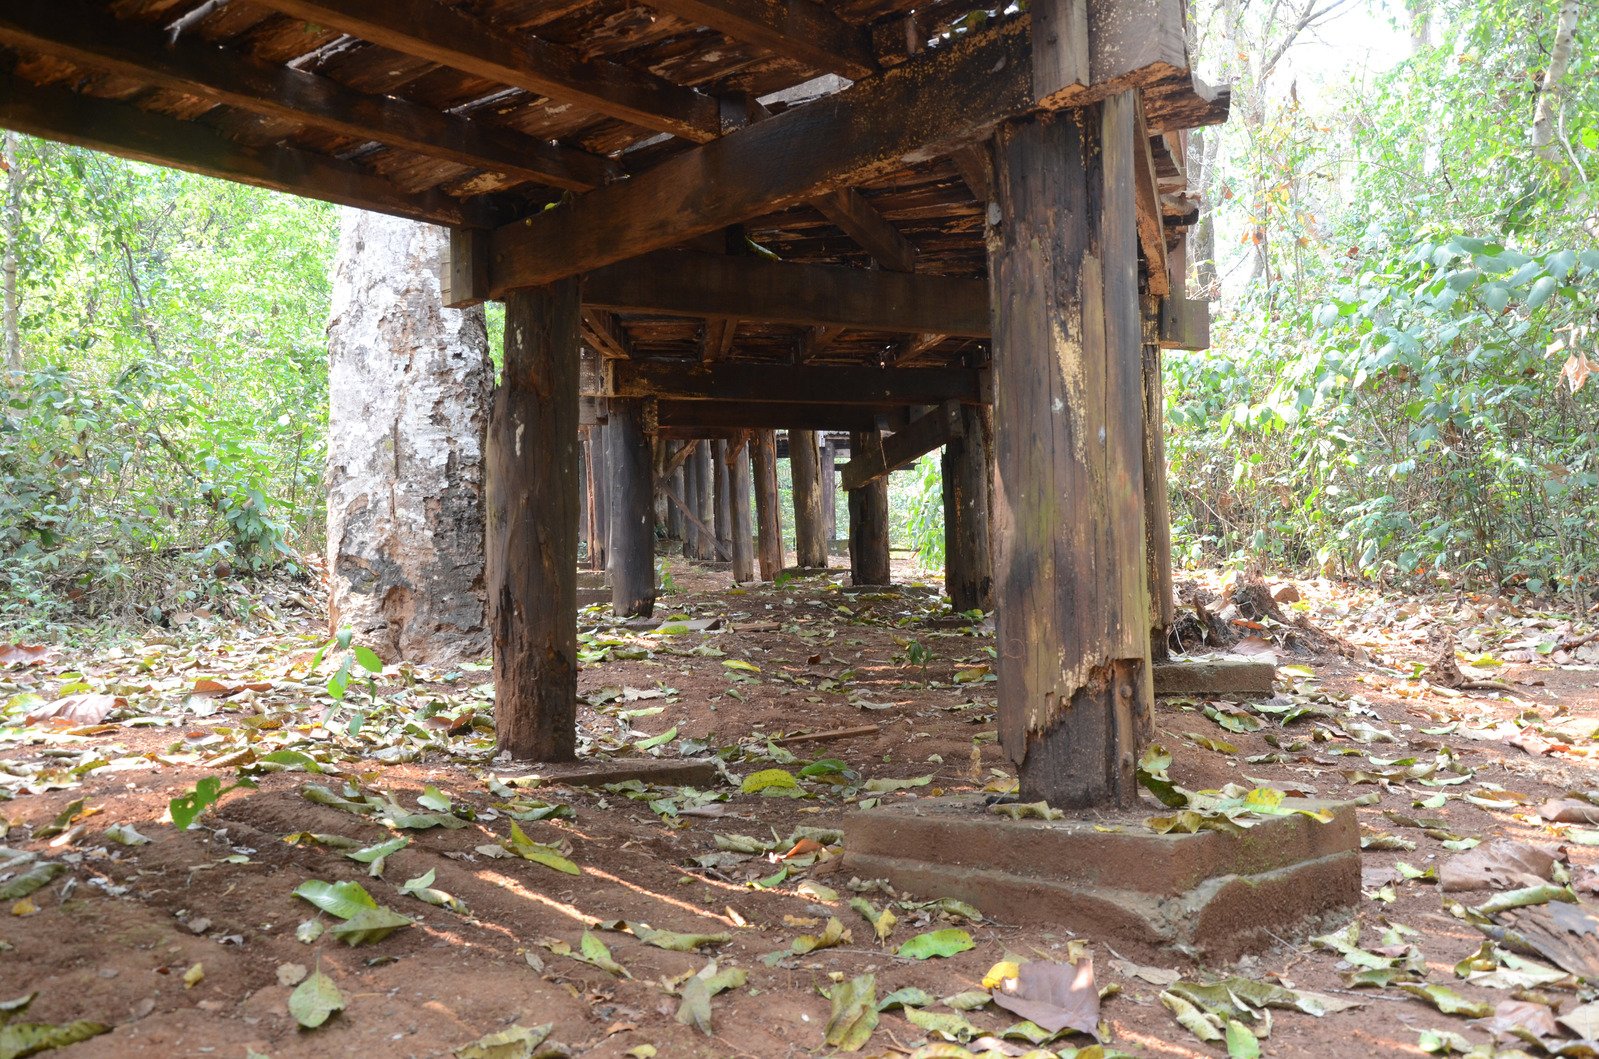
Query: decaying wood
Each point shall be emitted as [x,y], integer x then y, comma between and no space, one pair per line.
[1070,587]
[824,384]
[868,520]
[798,29]
[532,526]
[904,447]
[1184,322]
[1157,503]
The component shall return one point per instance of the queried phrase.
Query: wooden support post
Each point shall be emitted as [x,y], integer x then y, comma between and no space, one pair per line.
[1070,581]
[968,565]
[531,534]
[583,478]
[722,497]
[1157,502]
[768,513]
[599,519]
[868,522]
[703,502]
[738,478]
[676,527]
[829,480]
[691,502]
[632,536]
[804,462]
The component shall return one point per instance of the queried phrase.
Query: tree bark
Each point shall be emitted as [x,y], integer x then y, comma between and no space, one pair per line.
[804,462]
[868,524]
[630,468]
[1070,582]
[1552,90]
[968,561]
[8,266]
[768,510]
[532,526]
[408,385]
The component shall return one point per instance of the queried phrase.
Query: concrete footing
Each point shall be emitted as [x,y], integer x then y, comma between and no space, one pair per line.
[1107,877]
[1238,677]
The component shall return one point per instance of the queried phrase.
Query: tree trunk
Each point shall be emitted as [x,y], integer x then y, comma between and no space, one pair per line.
[1071,593]
[768,510]
[532,526]
[13,235]
[408,385]
[868,523]
[804,463]
[1552,90]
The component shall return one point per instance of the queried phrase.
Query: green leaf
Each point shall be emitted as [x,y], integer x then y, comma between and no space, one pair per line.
[368,659]
[186,808]
[776,779]
[29,1038]
[695,1006]
[35,878]
[595,952]
[854,1014]
[341,899]
[538,852]
[369,924]
[675,942]
[1241,1042]
[314,999]
[434,799]
[513,1042]
[937,943]
[1448,1001]
[950,1026]
[740,665]
[657,740]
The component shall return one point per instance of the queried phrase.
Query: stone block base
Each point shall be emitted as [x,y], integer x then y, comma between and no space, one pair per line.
[1239,677]
[1107,877]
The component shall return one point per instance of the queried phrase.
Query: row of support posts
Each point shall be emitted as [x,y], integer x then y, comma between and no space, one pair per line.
[1075,507]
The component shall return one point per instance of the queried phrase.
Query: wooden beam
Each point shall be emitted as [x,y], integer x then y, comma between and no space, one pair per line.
[683,283]
[915,347]
[904,447]
[793,29]
[850,212]
[977,169]
[1157,498]
[682,417]
[531,532]
[823,384]
[716,340]
[1184,323]
[1151,236]
[428,29]
[88,35]
[126,131]
[604,335]
[464,272]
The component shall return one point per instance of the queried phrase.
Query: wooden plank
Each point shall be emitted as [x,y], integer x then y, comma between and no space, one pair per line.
[700,530]
[1184,323]
[852,214]
[1070,588]
[828,384]
[868,523]
[603,335]
[968,559]
[794,29]
[531,535]
[1151,235]
[925,107]
[632,510]
[464,272]
[90,36]
[128,132]
[716,341]
[684,283]
[904,447]
[1157,501]
[1060,50]
[430,30]
[805,466]
[977,169]
[722,416]
[768,512]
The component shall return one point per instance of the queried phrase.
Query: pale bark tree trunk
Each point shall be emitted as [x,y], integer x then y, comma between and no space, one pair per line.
[8,267]
[1552,89]
[409,384]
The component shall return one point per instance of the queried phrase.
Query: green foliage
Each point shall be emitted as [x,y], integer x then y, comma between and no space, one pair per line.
[1396,393]
[924,516]
[165,433]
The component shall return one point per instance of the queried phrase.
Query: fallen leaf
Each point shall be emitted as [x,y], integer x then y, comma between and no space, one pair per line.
[854,1014]
[86,707]
[1496,865]
[936,943]
[1056,996]
[314,999]
[513,1042]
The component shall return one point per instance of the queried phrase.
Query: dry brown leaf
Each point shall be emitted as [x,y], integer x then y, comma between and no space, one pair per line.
[18,654]
[1511,1016]
[1569,811]
[86,707]
[1056,996]
[1497,865]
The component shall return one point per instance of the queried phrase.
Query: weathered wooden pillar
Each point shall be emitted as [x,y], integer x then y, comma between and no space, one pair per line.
[829,480]
[598,483]
[868,523]
[691,502]
[1070,581]
[805,465]
[583,485]
[1157,502]
[768,510]
[676,525]
[630,467]
[968,564]
[532,526]
[723,499]
[738,477]
[704,502]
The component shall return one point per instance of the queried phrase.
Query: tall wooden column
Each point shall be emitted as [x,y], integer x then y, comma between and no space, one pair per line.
[691,502]
[598,482]
[868,522]
[675,522]
[531,534]
[810,545]
[1070,580]
[968,563]
[722,499]
[630,467]
[829,481]
[738,479]
[768,512]
[704,501]
[1157,502]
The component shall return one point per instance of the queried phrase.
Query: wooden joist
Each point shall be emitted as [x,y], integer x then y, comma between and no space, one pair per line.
[858,219]
[713,417]
[1151,235]
[794,29]
[144,136]
[799,384]
[427,29]
[684,283]
[88,35]
[904,447]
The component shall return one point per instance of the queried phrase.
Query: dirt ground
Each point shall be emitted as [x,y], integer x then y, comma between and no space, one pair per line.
[189,943]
